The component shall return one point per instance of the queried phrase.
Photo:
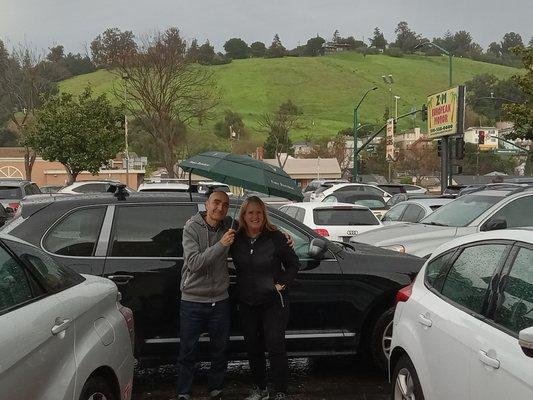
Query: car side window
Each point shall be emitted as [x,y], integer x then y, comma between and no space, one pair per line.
[150,230]
[394,213]
[290,211]
[517,213]
[300,215]
[76,234]
[91,188]
[413,213]
[301,240]
[515,309]
[15,286]
[330,199]
[469,277]
[436,270]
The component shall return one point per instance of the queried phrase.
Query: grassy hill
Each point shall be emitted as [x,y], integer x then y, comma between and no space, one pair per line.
[326,88]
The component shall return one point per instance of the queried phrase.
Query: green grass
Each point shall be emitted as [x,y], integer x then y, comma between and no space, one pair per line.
[326,88]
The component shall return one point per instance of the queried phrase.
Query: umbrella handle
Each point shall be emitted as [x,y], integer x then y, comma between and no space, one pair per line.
[235,212]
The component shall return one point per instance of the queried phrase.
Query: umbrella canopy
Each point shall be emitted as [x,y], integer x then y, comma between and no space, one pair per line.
[245,172]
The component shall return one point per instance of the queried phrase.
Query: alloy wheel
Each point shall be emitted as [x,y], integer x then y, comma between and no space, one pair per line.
[404,386]
[386,340]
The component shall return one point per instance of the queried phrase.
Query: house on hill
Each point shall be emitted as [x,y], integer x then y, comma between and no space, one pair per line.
[304,170]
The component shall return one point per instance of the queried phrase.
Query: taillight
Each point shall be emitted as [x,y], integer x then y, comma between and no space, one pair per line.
[14,206]
[404,293]
[321,231]
[128,317]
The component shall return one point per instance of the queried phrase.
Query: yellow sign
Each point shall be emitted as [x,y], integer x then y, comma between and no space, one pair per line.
[443,113]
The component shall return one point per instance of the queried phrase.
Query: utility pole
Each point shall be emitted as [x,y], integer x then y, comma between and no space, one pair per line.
[125,77]
[355,129]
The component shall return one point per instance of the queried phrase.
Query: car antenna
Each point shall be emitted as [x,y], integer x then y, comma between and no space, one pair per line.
[121,193]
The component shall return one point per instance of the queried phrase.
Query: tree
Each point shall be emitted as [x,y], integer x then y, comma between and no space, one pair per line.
[232,123]
[278,127]
[495,49]
[477,162]
[378,41]
[167,92]
[336,36]
[206,53]
[236,48]
[406,39]
[258,49]
[530,44]
[112,47]
[510,40]
[314,47]
[420,160]
[77,64]
[276,49]
[521,114]
[192,51]
[56,54]
[81,133]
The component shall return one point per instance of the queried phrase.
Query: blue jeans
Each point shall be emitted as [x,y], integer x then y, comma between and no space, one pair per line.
[195,319]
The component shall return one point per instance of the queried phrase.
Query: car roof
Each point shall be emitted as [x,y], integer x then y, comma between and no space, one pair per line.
[314,205]
[79,183]
[163,185]
[432,201]
[14,182]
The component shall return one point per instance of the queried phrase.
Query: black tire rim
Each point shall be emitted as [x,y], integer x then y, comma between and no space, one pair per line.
[386,339]
[404,386]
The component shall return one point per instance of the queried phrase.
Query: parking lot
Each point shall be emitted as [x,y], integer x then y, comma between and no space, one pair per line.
[339,378]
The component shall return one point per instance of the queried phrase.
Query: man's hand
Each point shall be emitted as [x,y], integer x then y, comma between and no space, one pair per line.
[279,287]
[290,242]
[227,239]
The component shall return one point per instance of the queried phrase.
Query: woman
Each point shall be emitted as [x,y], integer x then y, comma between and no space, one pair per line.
[266,265]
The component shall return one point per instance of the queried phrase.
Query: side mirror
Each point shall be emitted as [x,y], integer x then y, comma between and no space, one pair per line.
[525,340]
[317,248]
[494,224]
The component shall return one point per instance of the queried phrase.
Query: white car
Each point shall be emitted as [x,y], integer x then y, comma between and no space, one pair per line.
[63,335]
[413,210]
[325,191]
[338,221]
[163,186]
[415,189]
[102,186]
[464,328]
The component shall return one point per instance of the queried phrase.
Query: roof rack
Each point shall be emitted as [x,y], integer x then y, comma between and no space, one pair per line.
[121,193]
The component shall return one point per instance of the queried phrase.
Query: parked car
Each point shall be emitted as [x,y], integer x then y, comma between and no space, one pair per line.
[341,302]
[323,192]
[477,188]
[101,186]
[338,221]
[413,210]
[415,189]
[375,203]
[392,188]
[272,201]
[205,187]
[485,210]
[398,198]
[12,191]
[453,190]
[317,183]
[464,329]
[64,335]
[50,188]
[163,186]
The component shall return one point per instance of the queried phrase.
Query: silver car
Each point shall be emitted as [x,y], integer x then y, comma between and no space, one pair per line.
[63,335]
[413,210]
[484,210]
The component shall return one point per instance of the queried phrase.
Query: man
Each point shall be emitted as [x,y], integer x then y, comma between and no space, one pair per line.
[205,306]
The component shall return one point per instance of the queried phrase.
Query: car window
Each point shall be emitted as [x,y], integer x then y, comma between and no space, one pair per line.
[15,286]
[462,210]
[330,199]
[373,204]
[361,189]
[300,214]
[301,240]
[394,213]
[436,270]
[469,277]
[77,233]
[413,213]
[517,213]
[10,192]
[343,217]
[53,276]
[91,188]
[290,211]
[36,189]
[515,310]
[150,230]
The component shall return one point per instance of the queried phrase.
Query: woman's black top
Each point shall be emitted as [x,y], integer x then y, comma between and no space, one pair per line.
[261,263]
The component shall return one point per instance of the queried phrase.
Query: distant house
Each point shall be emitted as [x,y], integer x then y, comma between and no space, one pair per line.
[304,170]
[332,47]
[301,148]
[488,133]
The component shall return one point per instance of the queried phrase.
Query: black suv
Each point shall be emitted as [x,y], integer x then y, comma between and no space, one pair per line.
[341,302]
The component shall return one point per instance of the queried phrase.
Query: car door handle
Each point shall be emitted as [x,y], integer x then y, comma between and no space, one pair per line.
[60,325]
[491,362]
[423,320]
[121,279]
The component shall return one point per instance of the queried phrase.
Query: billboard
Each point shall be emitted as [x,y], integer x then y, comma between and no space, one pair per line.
[390,140]
[446,112]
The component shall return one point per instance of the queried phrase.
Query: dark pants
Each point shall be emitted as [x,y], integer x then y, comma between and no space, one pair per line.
[264,329]
[195,319]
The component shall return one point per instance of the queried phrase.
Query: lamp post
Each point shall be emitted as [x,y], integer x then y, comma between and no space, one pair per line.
[389,80]
[125,78]
[355,129]
[396,98]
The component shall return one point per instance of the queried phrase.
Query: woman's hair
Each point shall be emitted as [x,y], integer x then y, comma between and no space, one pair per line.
[267,225]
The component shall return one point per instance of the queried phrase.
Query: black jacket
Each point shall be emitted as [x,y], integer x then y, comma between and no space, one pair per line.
[269,260]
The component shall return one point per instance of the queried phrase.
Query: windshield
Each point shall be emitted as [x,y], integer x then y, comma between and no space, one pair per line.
[343,217]
[10,192]
[461,211]
[373,204]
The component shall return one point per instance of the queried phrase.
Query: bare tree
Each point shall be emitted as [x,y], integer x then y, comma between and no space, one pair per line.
[24,86]
[420,160]
[166,92]
[333,148]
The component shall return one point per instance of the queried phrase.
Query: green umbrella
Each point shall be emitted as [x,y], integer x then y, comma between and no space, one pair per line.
[245,172]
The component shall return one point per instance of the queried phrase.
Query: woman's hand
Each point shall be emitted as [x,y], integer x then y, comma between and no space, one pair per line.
[290,242]
[279,287]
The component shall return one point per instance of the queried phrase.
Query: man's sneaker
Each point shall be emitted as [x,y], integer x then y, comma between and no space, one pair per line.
[258,394]
[281,396]
[184,397]
[215,395]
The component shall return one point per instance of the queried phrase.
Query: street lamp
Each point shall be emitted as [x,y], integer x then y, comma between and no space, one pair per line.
[125,78]
[355,129]
[396,98]
[447,52]
[389,80]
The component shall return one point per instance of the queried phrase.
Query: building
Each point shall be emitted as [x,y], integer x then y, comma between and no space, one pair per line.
[301,148]
[332,47]
[304,170]
[54,173]
[488,133]
[407,138]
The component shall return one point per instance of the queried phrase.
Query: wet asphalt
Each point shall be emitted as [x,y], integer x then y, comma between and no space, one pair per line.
[335,378]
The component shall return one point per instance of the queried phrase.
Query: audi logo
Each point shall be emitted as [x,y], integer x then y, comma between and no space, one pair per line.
[353,233]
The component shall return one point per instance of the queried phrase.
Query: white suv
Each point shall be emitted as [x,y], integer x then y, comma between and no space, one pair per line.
[62,335]
[464,329]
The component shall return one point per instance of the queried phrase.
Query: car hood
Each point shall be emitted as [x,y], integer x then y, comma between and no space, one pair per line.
[417,239]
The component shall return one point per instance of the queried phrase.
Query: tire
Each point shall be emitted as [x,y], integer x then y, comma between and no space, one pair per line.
[406,385]
[97,388]
[380,340]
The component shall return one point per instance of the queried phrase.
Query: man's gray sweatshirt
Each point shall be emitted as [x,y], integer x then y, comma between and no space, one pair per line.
[204,277]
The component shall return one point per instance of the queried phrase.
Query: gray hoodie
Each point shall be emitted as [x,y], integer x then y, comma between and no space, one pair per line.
[204,277]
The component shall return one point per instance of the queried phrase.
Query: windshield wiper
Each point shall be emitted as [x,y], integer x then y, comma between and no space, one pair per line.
[434,223]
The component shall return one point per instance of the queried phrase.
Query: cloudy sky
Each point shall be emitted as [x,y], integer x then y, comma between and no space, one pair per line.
[74,23]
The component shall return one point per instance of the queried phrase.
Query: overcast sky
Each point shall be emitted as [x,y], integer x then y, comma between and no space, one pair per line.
[74,23]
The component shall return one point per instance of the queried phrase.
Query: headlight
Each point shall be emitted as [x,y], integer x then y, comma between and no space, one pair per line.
[395,247]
